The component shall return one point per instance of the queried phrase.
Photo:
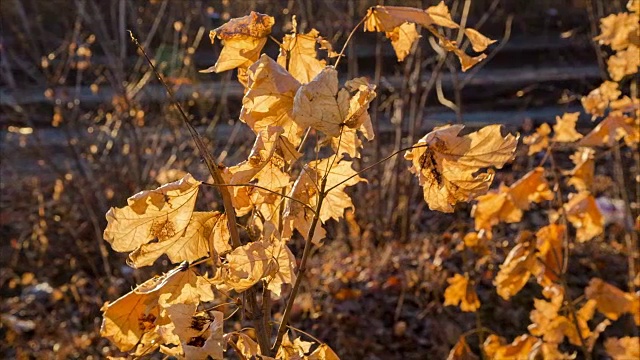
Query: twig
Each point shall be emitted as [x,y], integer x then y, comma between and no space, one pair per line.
[347,42]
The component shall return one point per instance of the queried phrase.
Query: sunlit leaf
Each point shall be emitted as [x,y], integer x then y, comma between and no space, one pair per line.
[517,268]
[581,176]
[461,351]
[461,291]
[565,128]
[611,301]
[478,41]
[299,56]
[623,348]
[583,213]
[539,140]
[402,39]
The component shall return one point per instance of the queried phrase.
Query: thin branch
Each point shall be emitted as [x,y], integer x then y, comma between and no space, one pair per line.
[347,42]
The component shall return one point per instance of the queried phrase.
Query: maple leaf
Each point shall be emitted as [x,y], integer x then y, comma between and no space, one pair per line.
[517,268]
[478,41]
[461,351]
[299,56]
[597,101]
[204,229]
[269,99]
[624,62]
[163,214]
[461,291]
[243,39]
[496,348]
[322,106]
[448,166]
[611,301]
[136,313]
[583,213]
[623,348]
[565,128]
[581,176]
[402,39]
[264,259]
[539,140]
[200,334]
[613,128]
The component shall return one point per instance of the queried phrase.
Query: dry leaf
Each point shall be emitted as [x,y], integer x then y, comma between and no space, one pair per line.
[539,140]
[447,165]
[269,99]
[323,352]
[299,56]
[162,214]
[461,291]
[581,176]
[584,215]
[613,128]
[243,39]
[519,349]
[387,18]
[478,41]
[545,320]
[402,39]
[599,98]
[623,348]
[611,301]
[565,128]
[517,268]
[200,335]
[461,351]
[619,30]
[624,62]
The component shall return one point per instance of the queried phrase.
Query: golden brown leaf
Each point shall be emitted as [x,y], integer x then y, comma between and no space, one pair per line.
[402,39]
[387,18]
[623,348]
[478,41]
[565,128]
[243,39]
[624,62]
[549,245]
[461,351]
[461,291]
[269,99]
[545,320]
[531,188]
[163,214]
[494,207]
[613,128]
[299,56]
[127,319]
[599,98]
[619,30]
[517,268]
[539,140]
[584,215]
[611,301]
[519,349]
[447,165]
[581,176]
[323,352]
[200,334]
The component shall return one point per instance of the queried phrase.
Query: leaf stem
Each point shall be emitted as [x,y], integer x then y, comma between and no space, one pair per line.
[347,42]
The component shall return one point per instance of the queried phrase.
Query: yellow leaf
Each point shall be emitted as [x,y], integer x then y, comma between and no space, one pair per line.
[243,39]
[545,320]
[269,99]
[565,128]
[460,291]
[611,301]
[599,98]
[519,349]
[448,166]
[584,215]
[200,334]
[268,260]
[478,41]
[127,319]
[204,229]
[494,207]
[581,177]
[531,188]
[299,56]
[619,30]
[539,140]
[348,143]
[466,61]
[387,18]
[402,39]
[624,62]
[323,352]
[293,350]
[163,214]
[461,351]
[613,128]
[517,268]
[623,348]
[549,245]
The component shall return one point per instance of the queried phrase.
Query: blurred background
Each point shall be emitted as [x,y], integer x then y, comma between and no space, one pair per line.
[84,124]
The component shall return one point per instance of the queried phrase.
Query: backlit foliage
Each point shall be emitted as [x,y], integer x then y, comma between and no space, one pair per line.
[285,190]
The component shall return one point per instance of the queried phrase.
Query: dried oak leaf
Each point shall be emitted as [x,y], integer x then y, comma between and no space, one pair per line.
[583,213]
[128,318]
[243,39]
[565,128]
[163,214]
[461,291]
[269,99]
[461,351]
[402,39]
[200,334]
[613,128]
[299,56]
[518,267]
[539,140]
[448,166]
[320,104]
[611,301]
[597,101]
[267,259]
[581,176]
[624,348]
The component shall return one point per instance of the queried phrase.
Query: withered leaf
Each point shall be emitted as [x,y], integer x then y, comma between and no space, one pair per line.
[461,291]
[299,56]
[583,213]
